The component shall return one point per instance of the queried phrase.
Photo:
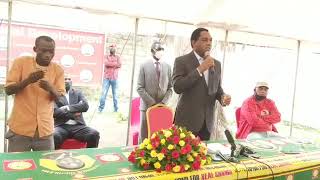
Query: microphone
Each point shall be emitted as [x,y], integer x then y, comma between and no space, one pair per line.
[206,54]
[231,141]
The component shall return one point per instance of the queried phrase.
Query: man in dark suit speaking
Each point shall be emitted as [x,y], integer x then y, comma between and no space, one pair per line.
[68,119]
[197,80]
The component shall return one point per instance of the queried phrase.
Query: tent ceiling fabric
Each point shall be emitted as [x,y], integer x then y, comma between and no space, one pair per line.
[288,18]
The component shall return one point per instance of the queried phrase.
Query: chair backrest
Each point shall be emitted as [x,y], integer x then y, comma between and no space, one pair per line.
[73,144]
[159,117]
[238,112]
[135,112]
[134,121]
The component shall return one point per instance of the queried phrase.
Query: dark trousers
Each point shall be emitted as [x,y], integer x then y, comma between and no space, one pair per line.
[79,132]
[204,134]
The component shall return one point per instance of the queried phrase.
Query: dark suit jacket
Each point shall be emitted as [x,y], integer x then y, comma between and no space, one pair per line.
[195,105]
[77,103]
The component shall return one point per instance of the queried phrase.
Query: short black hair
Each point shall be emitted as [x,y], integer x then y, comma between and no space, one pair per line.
[196,34]
[46,38]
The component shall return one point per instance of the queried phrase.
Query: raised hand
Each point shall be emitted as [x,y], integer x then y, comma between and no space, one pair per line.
[35,76]
[45,85]
[206,64]
[226,99]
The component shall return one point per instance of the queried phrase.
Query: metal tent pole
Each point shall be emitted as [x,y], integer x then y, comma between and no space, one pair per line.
[224,52]
[132,76]
[295,86]
[5,148]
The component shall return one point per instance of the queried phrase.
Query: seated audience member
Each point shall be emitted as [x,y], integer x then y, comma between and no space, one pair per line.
[68,119]
[258,115]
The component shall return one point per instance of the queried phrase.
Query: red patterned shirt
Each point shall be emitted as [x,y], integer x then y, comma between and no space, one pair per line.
[112,65]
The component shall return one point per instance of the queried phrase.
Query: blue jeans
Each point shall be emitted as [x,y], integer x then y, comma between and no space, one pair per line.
[105,89]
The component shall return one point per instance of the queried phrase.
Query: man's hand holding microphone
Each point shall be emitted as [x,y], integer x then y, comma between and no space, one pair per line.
[207,62]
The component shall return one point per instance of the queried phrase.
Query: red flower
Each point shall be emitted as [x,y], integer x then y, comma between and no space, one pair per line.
[196,141]
[168,168]
[196,165]
[198,158]
[158,170]
[175,154]
[164,150]
[176,139]
[146,166]
[132,158]
[184,150]
[182,168]
[174,128]
[155,144]
[176,132]
[188,148]
[141,154]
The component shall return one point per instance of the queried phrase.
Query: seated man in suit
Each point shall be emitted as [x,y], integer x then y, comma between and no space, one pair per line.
[68,119]
[258,115]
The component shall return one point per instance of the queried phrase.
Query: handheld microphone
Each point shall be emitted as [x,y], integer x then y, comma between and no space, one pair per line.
[206,54]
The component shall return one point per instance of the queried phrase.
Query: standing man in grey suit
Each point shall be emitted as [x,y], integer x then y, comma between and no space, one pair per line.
[197,80]
[68,118]
[154,85]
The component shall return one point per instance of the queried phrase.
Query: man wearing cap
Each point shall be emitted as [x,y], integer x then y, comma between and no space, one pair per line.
[154,85]
[258,114]
[112,65]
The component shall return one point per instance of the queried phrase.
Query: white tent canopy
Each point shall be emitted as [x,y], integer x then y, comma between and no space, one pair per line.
[287,18]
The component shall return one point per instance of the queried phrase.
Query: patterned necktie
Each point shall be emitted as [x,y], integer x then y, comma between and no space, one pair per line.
[158,69]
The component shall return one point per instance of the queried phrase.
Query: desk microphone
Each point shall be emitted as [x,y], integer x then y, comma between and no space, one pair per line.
[231,141]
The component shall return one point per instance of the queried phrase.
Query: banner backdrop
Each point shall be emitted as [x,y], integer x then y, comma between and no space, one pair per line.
[79,53]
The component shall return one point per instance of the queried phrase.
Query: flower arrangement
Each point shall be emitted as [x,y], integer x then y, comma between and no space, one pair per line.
[171,150]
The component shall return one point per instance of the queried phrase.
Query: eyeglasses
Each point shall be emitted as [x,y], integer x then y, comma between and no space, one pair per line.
[67,79]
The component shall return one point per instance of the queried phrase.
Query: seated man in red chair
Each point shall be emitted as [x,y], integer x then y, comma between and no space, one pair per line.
[258,115]
[68,119]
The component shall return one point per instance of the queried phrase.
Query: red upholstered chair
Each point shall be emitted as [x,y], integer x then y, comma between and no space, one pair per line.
[159,117]
[73,144]
[135,121]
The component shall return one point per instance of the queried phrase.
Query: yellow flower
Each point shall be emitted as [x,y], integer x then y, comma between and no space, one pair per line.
[142,161]
[209,160]
[192,136]
[153,153]
[167,133]
[141,146]
[160,156]
[190,158]
[182,143]
[176,169]
[194,154]
[182,135]
[157,165]
[170,147]
[149,146]
[186,167]
[163,141]
[146,141]
[203,162]
[153,135]
[203,150]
